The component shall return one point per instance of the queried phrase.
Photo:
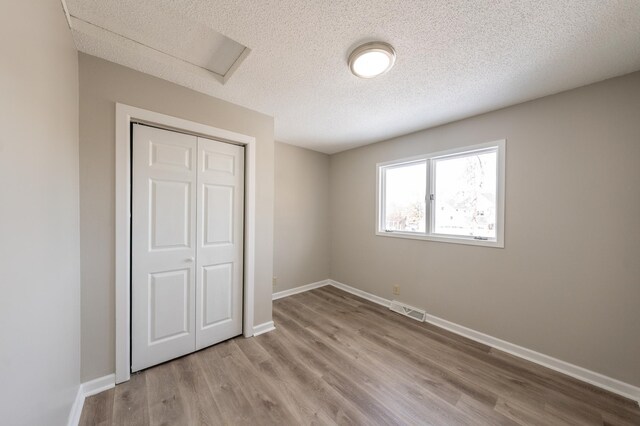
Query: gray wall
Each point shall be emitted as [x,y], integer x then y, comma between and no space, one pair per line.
[39,239]
[102,84]
[567,283]
[301,235]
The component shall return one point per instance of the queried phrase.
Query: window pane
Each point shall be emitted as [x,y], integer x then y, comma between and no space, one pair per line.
[465,195]
[405,192]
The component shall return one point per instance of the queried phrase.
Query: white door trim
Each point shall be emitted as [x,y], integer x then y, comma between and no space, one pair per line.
[125,114]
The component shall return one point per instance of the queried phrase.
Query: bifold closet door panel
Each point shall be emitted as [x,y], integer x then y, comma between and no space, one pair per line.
[220,227]
[163,246]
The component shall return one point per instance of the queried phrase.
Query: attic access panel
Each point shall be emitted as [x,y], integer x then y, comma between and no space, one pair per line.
[169,33]
[203,47]
[194,43]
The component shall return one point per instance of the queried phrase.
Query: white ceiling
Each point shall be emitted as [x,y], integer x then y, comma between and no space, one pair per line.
[456,58]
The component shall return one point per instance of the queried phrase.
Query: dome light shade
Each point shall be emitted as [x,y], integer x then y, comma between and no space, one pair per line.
[372,59]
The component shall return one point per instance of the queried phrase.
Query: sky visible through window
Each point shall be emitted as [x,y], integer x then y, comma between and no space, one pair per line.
[465,195]
[406,188]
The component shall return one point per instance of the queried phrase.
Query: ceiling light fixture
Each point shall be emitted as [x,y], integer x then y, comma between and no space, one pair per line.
[372,59]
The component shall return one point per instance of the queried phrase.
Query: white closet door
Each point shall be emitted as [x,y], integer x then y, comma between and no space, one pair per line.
[163,251]
[220,241]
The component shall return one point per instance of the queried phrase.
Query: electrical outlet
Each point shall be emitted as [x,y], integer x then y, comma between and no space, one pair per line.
[274,281]
[396,290]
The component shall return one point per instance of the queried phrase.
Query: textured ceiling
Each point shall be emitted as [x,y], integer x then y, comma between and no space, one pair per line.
[456,58]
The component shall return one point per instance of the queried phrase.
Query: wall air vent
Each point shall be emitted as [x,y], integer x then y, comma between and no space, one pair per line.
[408,311]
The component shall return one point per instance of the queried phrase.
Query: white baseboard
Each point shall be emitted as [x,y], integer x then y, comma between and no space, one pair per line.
[600,380]
[98,385]
[263,328]
[76,408]
[296,290]
[86,390]
[580,373]
[370,297]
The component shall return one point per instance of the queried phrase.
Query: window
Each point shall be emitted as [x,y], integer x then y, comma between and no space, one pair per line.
[453,196]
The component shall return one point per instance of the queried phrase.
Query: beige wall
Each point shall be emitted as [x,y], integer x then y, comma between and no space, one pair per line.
[39,238]
[301,234]
[567,283]
[102,84]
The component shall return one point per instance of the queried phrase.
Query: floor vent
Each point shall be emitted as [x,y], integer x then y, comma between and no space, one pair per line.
[408,311]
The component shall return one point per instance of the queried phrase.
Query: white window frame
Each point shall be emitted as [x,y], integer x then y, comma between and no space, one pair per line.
[498,242]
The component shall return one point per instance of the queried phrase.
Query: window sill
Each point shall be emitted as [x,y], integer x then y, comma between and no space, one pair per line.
[442,239]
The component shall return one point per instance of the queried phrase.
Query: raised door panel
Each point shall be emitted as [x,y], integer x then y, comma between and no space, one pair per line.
[218,214]
[170,214]
[217,294]
[169,156]
[168,303]
[219,162]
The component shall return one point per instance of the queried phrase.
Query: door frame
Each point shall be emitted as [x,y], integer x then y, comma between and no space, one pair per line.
[125,114]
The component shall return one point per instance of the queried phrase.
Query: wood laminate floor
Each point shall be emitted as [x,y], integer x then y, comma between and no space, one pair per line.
[337,359]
